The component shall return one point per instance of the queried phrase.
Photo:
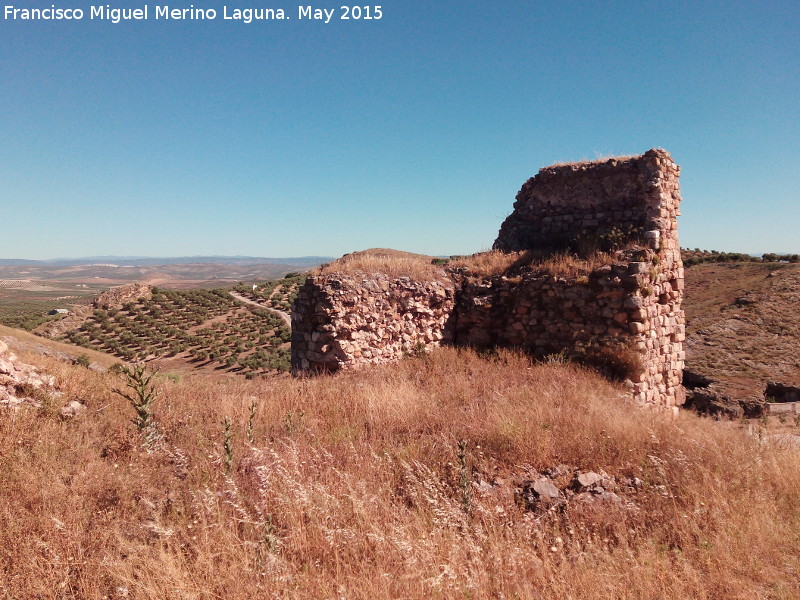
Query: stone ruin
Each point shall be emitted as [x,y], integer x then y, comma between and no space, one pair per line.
[628,308]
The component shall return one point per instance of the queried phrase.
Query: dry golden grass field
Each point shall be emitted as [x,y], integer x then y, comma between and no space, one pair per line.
[395,482]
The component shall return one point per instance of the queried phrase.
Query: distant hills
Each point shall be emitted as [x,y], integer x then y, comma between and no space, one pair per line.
[142,261]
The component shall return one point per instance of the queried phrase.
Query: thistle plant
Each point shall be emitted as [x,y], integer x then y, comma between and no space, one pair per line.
[227,444]
[465,477]
[142,395]
[251,423]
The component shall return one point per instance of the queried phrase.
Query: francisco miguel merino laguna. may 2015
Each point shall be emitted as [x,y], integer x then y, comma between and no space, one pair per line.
[165,12]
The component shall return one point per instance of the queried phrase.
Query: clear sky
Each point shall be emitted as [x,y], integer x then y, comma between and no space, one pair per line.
[415,131]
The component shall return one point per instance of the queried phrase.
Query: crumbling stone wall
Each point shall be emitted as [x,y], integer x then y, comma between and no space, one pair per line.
[593,204]
[635,303]
[616,312]
[339,321]
[541,312]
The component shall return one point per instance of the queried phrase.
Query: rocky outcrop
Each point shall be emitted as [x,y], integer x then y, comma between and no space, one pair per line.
[561,486]
[113,298]
[117,296]
[709,396]
[58,327]
[782,392]
[20,383]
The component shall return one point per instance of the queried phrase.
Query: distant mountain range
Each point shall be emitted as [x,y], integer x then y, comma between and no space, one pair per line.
[141,261]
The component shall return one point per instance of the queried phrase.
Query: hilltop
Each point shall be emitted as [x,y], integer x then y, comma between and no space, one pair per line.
[446,474]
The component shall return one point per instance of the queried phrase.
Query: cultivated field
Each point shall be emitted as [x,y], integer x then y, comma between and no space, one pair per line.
[29,291]
[198,329]
[24,303]
[277,294]
[177,275]
[183,328]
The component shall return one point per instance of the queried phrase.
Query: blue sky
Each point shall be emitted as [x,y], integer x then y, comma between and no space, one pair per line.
[166,138]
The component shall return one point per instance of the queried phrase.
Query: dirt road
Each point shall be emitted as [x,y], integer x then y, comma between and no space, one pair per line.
[283,315]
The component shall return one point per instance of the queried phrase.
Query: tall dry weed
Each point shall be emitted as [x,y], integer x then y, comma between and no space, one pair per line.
[601,158]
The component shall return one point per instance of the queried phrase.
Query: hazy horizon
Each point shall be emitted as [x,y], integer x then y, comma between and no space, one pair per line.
[283,258]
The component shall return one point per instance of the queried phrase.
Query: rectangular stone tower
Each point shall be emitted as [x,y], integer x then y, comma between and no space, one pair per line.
[620,203]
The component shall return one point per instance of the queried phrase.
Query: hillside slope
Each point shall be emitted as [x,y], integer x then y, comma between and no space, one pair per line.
[20,340]
[189,329]
[743,324]
[445,476]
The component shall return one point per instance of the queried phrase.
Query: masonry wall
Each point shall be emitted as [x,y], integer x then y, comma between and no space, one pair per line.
[542,313]
[614,313]
[587,204]
[621,201]
[343,321]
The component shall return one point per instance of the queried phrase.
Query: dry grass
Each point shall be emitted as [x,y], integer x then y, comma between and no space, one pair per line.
[601,158]
[493,262]
[351,489]
[393,263]
[486,264]
[24,338]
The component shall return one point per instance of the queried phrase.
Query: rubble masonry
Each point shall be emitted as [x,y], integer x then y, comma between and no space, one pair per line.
[347,320]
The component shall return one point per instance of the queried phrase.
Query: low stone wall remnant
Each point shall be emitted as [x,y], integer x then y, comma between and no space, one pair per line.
[339,321]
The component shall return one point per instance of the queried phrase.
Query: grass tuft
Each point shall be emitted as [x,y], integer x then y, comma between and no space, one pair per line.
[393,263]
[494,262]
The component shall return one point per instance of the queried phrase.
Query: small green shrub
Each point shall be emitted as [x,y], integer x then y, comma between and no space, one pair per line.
[141,396]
